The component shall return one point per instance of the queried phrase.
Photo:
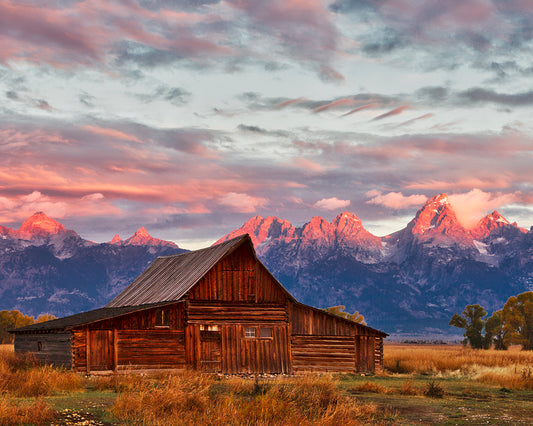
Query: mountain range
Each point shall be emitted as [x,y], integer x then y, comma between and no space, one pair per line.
[408,283]
[45,268]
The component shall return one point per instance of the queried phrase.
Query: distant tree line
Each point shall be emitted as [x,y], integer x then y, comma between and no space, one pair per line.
[513,324]
[15,319]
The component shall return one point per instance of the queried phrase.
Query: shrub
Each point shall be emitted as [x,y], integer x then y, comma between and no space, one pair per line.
[434,390]
[408,388]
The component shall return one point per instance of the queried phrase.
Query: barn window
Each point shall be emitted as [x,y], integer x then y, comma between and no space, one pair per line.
[39,346]
[249,333]
[162,318]
[265,332]
[209,327]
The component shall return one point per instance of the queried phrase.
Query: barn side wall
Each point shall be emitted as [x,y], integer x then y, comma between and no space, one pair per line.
[322,342]
[131,341]
[48,348]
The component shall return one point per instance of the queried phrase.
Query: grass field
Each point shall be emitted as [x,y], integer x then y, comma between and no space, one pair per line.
[422,384]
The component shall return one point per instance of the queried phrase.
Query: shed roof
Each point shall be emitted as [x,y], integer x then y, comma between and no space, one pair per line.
[75,320]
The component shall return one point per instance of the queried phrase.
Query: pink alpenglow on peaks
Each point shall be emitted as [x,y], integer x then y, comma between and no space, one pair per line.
[260,229]
[115,240]
[143,238]
[39,225]
[437,217]
[490,223]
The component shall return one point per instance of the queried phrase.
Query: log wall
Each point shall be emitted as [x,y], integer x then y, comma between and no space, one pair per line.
[218,312]
[48,348]
[323,354]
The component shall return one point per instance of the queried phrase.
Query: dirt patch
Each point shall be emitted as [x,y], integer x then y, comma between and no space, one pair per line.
[67,417]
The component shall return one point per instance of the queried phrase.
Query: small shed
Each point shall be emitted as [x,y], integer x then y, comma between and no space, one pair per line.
[218,309]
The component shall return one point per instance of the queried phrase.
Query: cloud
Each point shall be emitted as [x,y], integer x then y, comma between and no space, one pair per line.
[413,120]
[395,200]
[390,113]
[242,203]
[481,95]
[331,204]
[470,207]
[339,102]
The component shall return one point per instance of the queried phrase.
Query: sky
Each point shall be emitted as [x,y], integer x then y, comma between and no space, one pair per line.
[190,117]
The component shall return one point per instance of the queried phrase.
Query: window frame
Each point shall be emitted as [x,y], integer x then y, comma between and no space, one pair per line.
[162,318]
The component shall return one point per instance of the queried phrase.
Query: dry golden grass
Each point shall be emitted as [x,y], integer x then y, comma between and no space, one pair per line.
[20,413]
[22,376]
[505,368]
[193,398]
[371,387]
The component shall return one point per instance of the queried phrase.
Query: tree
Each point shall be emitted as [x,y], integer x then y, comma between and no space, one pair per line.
[495,330]
[472,322]
[518,320]
[9,320]
[339,311]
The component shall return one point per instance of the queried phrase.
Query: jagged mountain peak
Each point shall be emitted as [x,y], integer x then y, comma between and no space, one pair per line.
[143,238]
[262,228]
[438,215]
[39,225]
[492,222]
[116,239]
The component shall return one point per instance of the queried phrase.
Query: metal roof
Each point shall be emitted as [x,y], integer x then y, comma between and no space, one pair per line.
[84,318]
[168,278]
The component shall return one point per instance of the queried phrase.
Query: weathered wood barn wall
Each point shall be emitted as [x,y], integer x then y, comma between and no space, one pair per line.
[216,310]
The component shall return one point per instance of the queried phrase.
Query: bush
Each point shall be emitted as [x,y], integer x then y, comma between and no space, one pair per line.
[434,390]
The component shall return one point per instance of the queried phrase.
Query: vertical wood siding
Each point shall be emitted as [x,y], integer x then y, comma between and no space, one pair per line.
[240,278]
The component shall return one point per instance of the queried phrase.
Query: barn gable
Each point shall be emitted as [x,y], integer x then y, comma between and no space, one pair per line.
[217,309]
[226,271]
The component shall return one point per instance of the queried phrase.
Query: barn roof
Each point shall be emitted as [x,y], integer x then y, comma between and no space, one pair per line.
[168,278]
[71,321]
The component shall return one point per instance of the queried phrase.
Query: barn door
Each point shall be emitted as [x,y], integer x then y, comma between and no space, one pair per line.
[100,350]
[210,348]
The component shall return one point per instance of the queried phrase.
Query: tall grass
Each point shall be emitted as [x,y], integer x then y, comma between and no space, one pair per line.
[505,368]
[194,398]
[22,376]
[14,412]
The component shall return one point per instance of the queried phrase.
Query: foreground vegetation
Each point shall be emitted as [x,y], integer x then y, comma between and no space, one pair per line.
[422,384]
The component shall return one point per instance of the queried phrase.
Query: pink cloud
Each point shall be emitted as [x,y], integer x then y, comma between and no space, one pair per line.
[242,203]
[303,27]
[304,163]
[289,102]
[470,207]
[331,204]
[395,200]
[413,120]
[112,133]
[361,108]
[340,102]
[392,112]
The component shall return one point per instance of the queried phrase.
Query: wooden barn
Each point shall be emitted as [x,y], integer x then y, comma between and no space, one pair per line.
[216,310]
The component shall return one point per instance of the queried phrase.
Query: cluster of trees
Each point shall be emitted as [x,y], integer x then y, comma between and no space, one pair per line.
[511,325]
[14,319]
[340,312]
